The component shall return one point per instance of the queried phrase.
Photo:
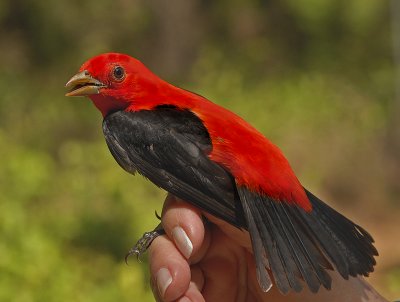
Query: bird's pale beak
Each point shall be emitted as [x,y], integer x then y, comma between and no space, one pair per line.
[83,84]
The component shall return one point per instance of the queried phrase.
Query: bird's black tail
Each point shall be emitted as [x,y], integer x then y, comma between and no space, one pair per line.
[297,245]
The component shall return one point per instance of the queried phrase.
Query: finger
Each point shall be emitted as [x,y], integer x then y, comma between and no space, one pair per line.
[193,293]
[225,269]
[183,223]
[238,235]
[170,271]
[197,277]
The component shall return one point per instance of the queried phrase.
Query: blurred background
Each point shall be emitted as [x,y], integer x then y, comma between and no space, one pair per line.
[319,78]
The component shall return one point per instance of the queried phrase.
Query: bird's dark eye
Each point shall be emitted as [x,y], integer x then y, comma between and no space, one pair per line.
[118,73]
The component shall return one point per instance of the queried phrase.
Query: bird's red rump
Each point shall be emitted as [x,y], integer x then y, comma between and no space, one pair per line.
[255,162]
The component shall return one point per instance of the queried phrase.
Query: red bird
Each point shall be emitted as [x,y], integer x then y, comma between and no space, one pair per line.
[212,158]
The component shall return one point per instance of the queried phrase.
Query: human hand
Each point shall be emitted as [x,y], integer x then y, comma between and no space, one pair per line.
[198,261]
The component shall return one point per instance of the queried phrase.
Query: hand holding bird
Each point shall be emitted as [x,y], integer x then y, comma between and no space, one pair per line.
[221,265]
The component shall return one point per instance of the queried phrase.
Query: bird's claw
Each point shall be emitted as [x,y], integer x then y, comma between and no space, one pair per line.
[143,244]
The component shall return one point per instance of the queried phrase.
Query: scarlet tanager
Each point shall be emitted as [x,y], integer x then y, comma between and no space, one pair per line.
[212,158]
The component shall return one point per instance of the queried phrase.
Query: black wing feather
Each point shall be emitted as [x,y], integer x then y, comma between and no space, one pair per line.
[169,147]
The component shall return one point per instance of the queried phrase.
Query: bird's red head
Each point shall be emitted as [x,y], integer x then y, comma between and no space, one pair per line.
[113,82]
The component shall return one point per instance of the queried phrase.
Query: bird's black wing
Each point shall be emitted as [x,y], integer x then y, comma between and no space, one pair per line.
[170,146]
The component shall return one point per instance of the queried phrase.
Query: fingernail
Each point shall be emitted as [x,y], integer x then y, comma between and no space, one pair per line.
[185,299]
[182,241]
[164,279]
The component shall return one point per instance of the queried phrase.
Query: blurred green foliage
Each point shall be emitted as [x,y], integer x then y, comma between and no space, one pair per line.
[315,77]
